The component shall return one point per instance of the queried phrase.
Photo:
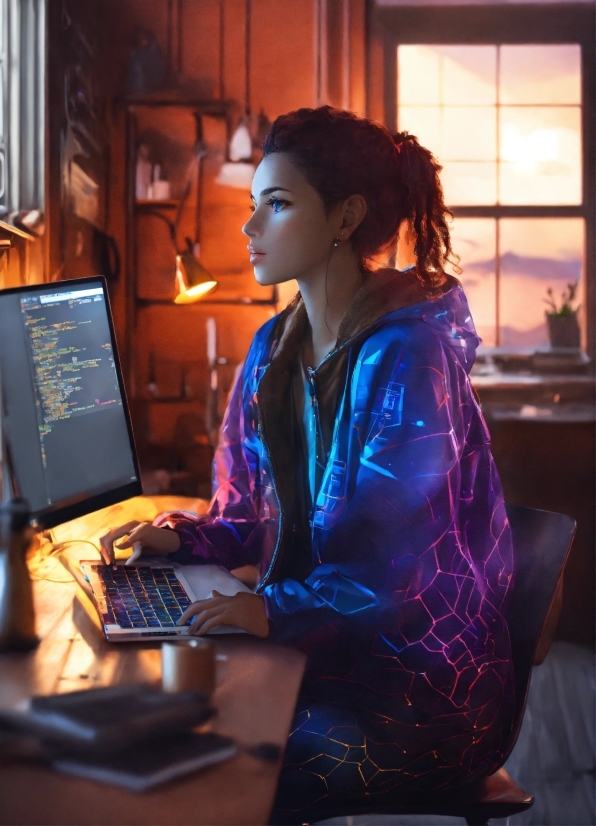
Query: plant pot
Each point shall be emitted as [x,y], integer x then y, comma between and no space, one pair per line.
[563,330]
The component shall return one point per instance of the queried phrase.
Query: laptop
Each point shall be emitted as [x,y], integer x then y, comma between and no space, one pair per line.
[68,431]
[144,601]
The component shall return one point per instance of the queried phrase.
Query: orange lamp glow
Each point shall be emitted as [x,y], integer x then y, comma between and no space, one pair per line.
[193,281]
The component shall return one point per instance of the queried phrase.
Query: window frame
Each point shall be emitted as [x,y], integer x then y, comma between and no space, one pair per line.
[504,25]
[22,90]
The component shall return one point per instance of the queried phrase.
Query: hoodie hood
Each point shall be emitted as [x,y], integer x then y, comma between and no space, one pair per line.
[450,319]
[389,295]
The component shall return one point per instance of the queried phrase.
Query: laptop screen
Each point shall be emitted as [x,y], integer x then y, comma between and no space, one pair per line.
[66,420]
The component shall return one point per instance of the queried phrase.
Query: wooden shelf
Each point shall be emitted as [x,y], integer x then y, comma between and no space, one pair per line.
[241,301]
[153,203]
[178,97]
[12,230]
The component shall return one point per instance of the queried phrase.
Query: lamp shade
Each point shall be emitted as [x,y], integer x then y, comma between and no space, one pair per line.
[193,281]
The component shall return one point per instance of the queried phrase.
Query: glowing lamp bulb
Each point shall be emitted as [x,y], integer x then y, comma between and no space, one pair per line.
[192,279]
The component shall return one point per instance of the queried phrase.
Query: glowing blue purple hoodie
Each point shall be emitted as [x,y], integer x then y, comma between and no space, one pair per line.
[393,580]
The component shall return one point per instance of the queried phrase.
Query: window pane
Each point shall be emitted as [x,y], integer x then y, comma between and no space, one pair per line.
[535,253]
[469,133]
[424,122]
[541,154]
[468,183]
[447,98]
[418,75]
[468,74]
[540,74]
[447,75]
[474,240]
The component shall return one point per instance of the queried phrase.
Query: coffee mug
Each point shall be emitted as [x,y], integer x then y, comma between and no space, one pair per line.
[188,665]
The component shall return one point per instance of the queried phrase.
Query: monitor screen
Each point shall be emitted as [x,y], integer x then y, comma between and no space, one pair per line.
[67,424]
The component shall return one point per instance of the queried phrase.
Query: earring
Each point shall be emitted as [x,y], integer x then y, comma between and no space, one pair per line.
[336,242]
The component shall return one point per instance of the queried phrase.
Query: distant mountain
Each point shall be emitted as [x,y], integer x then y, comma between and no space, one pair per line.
[512,337]
[544,268]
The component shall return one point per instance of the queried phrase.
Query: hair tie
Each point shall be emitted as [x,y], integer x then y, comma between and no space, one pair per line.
[399,139]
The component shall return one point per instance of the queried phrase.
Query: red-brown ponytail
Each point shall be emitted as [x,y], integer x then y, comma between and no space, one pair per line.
[425,207]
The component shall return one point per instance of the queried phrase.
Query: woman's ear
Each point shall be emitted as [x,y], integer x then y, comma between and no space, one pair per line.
[352,214]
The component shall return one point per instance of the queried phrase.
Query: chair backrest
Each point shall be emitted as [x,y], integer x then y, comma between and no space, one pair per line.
[541,544]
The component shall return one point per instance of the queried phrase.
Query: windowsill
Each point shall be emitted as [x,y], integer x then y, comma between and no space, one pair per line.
[12,230]
[530,362]
[524,352]
[519,380]
[535,384]
[566,413]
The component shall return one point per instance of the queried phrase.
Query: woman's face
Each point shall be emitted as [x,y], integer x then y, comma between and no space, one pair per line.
[290,233]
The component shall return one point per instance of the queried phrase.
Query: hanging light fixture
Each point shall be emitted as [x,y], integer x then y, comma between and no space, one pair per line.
[240,150]
[250,132]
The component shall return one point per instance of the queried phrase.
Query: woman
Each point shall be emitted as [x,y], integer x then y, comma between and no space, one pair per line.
[354,468]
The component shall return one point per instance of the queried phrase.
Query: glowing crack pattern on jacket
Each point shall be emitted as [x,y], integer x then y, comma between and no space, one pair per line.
[409,680]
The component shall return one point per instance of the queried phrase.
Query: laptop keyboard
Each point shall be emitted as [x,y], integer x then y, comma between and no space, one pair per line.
[141,597]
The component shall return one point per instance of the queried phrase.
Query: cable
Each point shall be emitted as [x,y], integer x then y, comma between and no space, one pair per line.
[52,579]
[42,562]
[59,545]
[326,294]
[42,558]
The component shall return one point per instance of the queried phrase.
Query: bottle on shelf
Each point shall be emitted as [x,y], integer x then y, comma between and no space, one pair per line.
[143,173]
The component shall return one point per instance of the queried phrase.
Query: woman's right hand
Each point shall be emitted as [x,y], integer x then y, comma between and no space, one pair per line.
[143,537]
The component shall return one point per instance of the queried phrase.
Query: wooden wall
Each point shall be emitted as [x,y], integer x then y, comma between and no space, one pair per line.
[300,53]
[290,66]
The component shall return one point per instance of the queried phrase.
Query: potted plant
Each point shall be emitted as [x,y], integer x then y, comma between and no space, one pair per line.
[563,324]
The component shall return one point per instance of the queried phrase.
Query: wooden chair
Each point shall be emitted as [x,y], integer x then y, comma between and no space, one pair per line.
[541,543]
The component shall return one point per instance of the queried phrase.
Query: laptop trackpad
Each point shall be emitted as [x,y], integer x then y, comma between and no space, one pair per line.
[202,579]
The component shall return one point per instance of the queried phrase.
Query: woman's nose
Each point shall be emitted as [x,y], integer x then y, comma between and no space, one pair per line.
[250,228]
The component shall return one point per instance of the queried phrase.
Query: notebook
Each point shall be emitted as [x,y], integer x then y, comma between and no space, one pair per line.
[101,720]
[141,768]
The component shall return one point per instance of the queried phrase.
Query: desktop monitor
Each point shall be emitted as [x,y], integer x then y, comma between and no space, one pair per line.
[66,421]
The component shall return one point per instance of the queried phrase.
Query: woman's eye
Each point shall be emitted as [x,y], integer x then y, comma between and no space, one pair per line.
[276,204]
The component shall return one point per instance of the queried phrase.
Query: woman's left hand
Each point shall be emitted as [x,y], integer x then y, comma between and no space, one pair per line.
[246,611]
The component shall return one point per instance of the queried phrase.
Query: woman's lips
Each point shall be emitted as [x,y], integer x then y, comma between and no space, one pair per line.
[255,255]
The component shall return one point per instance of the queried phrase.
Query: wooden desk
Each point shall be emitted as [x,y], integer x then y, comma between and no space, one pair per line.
[257,687]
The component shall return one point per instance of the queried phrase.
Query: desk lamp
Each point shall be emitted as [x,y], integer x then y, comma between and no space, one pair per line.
[193,281]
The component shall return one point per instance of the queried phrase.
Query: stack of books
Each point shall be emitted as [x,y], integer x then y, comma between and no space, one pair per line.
[133,736]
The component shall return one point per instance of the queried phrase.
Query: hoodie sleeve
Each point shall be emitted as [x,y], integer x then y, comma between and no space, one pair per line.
[230,534]
[390,560]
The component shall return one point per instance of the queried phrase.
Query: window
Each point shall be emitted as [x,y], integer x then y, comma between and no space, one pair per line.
[504,99]
[505,123]
[22,38]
